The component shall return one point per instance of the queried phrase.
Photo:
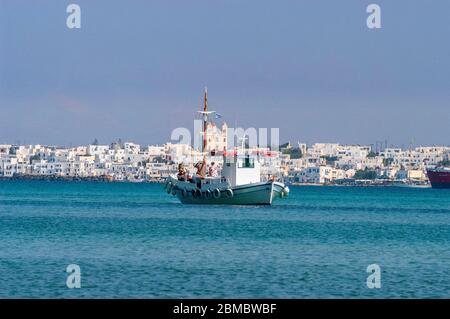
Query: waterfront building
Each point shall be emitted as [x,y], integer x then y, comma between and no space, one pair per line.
[320,163]
[319,175]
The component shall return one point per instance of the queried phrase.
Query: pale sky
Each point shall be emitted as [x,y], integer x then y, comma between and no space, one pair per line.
[137,69]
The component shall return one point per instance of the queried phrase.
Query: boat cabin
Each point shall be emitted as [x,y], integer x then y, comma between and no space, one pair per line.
[241,169]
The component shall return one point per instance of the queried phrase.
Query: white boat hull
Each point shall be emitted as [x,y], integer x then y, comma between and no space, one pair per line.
[251,194]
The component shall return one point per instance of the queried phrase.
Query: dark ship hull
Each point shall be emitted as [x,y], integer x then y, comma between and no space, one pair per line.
[439,178]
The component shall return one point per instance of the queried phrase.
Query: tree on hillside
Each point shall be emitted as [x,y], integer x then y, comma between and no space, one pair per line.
[365,174]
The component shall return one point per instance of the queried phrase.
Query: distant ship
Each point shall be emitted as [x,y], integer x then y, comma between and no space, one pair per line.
[439,177]
[240,183]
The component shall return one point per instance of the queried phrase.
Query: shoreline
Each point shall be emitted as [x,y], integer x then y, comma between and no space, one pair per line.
[108,179]
[54,178]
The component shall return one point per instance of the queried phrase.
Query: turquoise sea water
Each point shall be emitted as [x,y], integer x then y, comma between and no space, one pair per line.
[135,241]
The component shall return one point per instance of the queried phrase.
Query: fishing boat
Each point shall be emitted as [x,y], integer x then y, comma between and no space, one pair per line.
[239,184]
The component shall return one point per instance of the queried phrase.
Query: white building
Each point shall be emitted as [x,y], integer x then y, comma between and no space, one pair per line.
[320,175]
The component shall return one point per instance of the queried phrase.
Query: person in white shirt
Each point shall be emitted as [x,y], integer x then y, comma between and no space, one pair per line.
[212,172]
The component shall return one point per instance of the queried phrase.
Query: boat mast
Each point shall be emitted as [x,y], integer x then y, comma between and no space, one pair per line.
[205,122]
[205,113]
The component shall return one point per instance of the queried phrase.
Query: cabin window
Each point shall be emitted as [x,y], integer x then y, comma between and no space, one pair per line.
[246,162]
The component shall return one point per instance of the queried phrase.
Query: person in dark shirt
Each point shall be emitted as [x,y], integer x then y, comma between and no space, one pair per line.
[182,173]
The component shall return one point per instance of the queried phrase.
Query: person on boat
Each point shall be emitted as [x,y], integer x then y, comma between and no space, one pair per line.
[212,172]
[201,169]
[201,172]
[182,173]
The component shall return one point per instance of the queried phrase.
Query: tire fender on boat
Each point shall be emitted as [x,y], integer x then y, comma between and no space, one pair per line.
[197,193]
[208,194]
[183,192]
[229,192]
[216,193]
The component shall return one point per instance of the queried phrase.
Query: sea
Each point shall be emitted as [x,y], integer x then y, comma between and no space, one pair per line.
[133,240]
